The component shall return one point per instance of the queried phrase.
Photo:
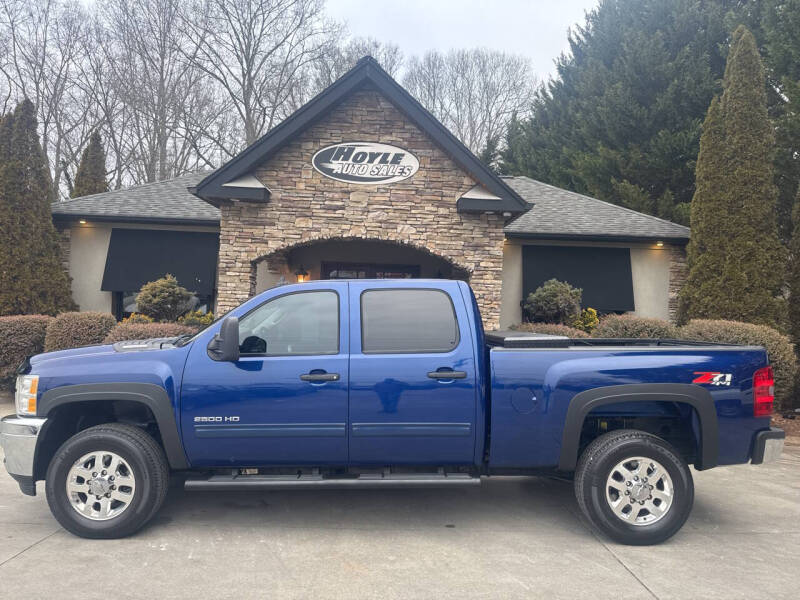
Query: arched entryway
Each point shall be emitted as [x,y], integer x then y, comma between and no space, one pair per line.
[351,258]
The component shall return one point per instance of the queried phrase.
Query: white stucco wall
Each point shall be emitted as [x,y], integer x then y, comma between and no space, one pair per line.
[87,260]
[649,272]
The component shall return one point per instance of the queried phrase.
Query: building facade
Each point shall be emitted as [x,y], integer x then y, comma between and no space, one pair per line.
[364,182]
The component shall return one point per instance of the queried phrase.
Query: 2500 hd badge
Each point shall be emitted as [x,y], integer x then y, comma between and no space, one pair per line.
[365,163]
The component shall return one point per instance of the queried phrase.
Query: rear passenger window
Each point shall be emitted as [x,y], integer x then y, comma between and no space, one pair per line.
[407,321]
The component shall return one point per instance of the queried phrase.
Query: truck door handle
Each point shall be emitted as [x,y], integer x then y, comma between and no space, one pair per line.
[319,377]
[447,374]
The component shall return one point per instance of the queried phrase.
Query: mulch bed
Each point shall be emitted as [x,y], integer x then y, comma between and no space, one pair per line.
[790,426]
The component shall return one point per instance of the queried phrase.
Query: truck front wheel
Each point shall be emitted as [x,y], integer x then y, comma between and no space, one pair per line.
[634,487]
[107,481]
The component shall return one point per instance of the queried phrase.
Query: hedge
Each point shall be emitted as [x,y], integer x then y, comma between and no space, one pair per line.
[75,329]
[23,336]
[553,329]
[142,331]
[631,326]
[779,347]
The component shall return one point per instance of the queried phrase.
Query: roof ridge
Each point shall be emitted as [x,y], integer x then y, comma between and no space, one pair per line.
[131,187]
[625,208]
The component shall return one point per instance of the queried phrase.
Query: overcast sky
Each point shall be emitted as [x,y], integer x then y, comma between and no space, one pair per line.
[534,28]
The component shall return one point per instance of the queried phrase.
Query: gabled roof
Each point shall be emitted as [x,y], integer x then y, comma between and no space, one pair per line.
[367,70]
[167,202]
[559,214]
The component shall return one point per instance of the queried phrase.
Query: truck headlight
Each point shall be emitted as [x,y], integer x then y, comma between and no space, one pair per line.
[25,395]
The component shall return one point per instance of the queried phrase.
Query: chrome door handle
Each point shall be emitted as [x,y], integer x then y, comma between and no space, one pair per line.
[447,374]
[317,377]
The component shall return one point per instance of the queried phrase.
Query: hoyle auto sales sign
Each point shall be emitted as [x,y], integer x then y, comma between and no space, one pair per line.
[366,163]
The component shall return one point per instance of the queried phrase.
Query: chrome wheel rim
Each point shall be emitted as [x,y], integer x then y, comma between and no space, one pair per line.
[639,491]
[100,485]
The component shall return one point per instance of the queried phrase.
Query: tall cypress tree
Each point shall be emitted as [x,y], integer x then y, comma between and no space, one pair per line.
[736,261]
[32,277]
[794,277]
[91,175]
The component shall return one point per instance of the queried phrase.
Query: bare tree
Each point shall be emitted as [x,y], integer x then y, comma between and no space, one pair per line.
[147,67]
[43,43]
[343,54]
[472,92]
[256,52]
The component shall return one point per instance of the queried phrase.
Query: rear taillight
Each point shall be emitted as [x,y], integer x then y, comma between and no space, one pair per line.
[763,392]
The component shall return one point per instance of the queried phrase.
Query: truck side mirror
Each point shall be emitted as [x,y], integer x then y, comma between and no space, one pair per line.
[225,345]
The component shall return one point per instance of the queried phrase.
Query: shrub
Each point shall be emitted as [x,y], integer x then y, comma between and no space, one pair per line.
[631,326]
[163,299]
[23,336]
[74,329]
[197,319]
[587,321]
[143,331]
[553,329]
[137,318]
[554,302]
[779,348]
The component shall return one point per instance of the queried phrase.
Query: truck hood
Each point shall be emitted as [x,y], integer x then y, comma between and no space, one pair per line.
[102,351]
[71,352]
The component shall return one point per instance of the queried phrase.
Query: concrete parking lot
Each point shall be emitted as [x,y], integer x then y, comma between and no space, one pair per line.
[509,538]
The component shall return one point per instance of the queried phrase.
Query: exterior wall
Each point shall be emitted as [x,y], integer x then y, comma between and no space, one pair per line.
[87,261]
[305,207]
[678,273]
[657,276]
[86,255]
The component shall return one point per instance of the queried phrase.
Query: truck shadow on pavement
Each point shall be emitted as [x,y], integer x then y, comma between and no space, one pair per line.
[499,503]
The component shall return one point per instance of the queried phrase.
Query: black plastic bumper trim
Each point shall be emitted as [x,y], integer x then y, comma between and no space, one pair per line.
[760,442]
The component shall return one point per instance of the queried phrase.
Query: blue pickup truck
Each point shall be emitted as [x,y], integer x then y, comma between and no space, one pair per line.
[384,383]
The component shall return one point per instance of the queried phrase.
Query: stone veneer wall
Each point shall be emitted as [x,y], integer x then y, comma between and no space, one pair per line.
[64,243]
[305,206]
[678,272]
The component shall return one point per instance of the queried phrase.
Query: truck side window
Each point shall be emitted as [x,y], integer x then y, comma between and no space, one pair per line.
[301,323]
[407,321]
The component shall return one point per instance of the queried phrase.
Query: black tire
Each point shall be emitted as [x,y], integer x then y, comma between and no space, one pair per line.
[594,468]
[146,459]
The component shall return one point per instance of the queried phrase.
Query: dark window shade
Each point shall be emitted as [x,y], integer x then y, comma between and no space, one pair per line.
[136,256]
[604,274]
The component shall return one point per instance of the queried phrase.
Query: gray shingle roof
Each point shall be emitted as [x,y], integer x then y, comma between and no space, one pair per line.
[556,213]
[561,214]
[164,201]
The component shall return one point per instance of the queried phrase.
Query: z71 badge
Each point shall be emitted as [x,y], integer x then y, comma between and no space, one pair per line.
[713,378]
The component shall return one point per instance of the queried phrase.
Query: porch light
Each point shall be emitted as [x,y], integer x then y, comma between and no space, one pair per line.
[302,274]
[660,244]
[82,221]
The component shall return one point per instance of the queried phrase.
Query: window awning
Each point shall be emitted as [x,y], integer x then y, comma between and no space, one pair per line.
[604,274]
[136,256]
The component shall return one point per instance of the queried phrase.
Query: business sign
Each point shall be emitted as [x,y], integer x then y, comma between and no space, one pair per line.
[365,163]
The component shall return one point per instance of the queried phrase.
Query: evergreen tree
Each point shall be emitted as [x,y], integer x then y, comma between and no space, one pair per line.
[32,278]
[91,175]
[735,256]
[794,278]
[622,120]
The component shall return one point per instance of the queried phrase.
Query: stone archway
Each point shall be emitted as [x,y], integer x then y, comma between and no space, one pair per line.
[352,257]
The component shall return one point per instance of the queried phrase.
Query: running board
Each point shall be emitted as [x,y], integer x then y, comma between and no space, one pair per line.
[367,480]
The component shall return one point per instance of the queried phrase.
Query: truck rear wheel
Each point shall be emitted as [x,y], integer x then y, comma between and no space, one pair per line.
[634,487]
[107,481]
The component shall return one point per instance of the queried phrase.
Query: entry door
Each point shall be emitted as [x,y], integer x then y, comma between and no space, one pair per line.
[284,402]
[412,376]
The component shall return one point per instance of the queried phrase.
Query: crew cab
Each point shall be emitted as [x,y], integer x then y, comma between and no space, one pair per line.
[384,383]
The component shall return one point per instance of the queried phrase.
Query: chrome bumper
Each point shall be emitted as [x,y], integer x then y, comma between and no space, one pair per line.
[768,445]
[18,436]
